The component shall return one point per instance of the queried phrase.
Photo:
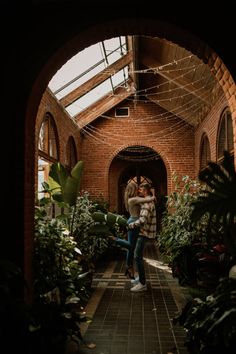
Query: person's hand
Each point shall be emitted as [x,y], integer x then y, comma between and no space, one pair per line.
[112,237]
[131,226]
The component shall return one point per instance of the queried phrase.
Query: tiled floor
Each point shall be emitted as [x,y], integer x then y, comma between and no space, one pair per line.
[134,323]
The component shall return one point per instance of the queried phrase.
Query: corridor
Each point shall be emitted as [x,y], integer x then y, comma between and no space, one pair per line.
[134,323]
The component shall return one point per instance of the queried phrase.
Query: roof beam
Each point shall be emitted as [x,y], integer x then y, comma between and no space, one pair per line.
[133,42]
[96,80]
[181,82]
[103,105]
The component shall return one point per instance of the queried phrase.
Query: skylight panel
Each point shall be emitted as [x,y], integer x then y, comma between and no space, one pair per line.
[80,81]
[78,70]
[90,98]
[84,66]
[115,48]
[120,77]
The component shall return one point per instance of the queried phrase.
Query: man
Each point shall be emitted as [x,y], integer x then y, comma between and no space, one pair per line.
[147,230]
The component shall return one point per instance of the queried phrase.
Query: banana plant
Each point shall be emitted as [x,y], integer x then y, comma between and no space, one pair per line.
[65,186]
[105,223]
[218,200]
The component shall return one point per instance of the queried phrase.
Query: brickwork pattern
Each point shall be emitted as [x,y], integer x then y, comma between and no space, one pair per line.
[141,128]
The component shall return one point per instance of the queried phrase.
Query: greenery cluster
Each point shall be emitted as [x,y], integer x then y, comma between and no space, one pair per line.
[56,258]
[218,199]
[177,229]
[211,323]
[92,245]
[64,253]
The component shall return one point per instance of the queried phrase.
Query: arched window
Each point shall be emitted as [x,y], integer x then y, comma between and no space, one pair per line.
[225,135]
[139,180]
[47,149]
[205,154]
[71,153]
[48,142]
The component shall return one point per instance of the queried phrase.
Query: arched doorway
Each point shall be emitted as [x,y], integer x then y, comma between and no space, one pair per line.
[140,164]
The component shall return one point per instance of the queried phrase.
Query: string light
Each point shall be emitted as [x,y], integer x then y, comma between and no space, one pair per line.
[205,95]
[116,137]
[159,134]
[138,153]
[184,125]
[179,118]
[177,111]
[156,86]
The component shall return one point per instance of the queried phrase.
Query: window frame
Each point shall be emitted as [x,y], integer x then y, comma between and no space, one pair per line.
[223,122]
[205,152]
[51,126]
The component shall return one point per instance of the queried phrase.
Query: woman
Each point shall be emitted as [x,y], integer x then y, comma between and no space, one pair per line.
[132,205]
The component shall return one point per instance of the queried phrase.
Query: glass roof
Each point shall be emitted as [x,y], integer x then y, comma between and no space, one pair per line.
[85,65]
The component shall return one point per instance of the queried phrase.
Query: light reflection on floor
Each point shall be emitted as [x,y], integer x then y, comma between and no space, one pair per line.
[157,264]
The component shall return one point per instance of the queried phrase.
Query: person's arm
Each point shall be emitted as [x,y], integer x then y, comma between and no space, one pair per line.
[140,200]
[143,218]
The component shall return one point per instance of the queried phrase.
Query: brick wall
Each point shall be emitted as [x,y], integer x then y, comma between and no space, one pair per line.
[171,138]
[99,145]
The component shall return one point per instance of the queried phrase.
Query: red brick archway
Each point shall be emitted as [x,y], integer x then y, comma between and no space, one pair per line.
[80,41]
[121,170]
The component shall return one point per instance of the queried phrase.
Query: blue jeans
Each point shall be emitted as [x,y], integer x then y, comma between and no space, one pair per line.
[130,243]
[138,256]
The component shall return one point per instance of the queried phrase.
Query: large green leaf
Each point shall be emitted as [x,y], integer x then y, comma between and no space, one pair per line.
[54,187]
[71,191]
[72,184]
[77,170]
[59,174]
[65,186]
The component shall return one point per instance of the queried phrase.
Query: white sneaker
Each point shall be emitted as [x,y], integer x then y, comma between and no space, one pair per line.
[139,287]
[135,281]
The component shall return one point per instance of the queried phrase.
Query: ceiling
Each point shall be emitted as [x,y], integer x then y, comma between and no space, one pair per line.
[136,68]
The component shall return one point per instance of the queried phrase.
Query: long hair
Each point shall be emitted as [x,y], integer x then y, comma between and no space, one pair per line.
[130,191]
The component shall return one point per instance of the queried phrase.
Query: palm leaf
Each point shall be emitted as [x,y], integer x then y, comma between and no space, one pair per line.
[72,184]
[59,174]
[219,200]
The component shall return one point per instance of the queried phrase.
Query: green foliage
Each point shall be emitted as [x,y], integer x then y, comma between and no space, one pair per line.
[218,200]
[108,224]
[65,251]
[63,190]
[56,262]
[90,240]
[62,286]
[211,323]
[110,219]
[100,204]
[66,184]
[177,230]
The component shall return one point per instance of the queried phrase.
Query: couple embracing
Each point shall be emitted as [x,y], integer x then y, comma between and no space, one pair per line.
[140,203]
